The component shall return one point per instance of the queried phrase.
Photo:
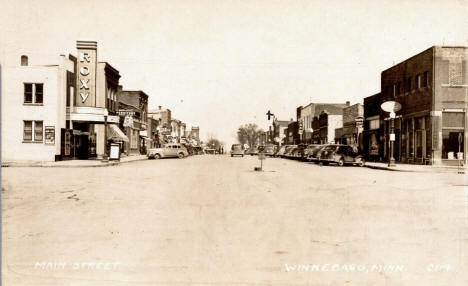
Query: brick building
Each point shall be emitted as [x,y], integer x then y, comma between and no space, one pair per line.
[307,113]
[432,89]
[133,112]
[351,132]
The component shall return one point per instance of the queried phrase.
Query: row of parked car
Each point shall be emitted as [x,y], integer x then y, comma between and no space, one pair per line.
[323,154]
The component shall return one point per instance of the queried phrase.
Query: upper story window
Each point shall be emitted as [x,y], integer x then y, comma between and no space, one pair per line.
[374,124]
[419,81]
[409,83]
[425,79]
[34,93]
[24,60]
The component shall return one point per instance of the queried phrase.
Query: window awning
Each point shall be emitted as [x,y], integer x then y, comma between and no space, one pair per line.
[114,133]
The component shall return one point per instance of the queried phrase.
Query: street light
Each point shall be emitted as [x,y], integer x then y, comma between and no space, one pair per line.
[106,113]
[391,107]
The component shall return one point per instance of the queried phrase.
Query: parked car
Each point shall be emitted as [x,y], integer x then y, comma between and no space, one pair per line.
[198,150]
[237,150]
[289,150]
[307,150]
[253,151]
[340,154]
[190,149]
[280,151]
[169,150]
[270,150]
[298,153]
[312,154]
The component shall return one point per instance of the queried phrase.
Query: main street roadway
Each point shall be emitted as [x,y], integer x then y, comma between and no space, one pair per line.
[212,220]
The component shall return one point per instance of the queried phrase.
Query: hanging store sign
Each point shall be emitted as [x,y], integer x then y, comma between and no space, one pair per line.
[86,78]
[126,112]
[128,121]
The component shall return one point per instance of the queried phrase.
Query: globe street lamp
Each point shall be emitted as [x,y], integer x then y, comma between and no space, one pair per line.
[391,107]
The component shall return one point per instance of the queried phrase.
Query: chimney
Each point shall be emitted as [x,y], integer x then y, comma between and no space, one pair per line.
[159,107]
[347,103]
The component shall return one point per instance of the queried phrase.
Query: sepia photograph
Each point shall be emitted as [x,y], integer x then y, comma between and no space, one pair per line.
[234,142]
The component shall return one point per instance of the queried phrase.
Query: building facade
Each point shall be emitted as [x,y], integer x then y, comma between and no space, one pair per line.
[59,111]
[372,132]
[306,115]
[432,89]
[278,131]
[351,132]
[133,112]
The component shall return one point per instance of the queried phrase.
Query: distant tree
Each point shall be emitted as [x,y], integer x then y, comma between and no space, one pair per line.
[249,134]
[214,143]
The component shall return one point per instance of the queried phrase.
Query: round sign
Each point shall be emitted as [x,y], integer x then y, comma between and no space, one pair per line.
[391,106]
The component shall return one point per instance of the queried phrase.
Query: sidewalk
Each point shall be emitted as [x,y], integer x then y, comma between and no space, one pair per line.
[75,163]
[416,168]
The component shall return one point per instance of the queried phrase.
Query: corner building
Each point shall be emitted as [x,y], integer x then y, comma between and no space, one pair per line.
[432,89]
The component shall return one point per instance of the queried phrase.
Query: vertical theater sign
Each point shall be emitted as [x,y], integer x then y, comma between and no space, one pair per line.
[86,79]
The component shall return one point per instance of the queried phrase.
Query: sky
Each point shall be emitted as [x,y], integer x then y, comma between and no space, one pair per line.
[220,64]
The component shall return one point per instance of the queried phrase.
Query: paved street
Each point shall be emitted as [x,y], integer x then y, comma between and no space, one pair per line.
[212,220]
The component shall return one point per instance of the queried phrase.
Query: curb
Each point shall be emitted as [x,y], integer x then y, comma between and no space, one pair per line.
[434,170]
[389,169]
[107,164]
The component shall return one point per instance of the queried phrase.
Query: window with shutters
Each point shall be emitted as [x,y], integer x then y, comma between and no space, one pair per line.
[33,131]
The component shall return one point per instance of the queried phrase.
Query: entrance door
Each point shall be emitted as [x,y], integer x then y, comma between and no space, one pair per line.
[66,144]
[82,146]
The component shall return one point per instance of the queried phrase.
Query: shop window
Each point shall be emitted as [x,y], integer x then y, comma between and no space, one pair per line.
[452,144]
[410,144]
[419,143]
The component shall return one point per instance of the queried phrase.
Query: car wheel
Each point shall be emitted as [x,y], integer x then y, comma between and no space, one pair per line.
[341,162]
[362,163]
[157,156]
[181,155]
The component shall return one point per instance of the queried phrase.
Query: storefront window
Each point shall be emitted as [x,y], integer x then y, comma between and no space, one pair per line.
[419,145]
[373,145]
[410,144]
[452,144]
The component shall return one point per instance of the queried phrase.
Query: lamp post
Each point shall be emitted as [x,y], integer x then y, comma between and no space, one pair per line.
[391,161]
[106,113]
[391,107]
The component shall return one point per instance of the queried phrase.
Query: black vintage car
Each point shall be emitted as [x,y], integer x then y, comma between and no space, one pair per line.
[340,154]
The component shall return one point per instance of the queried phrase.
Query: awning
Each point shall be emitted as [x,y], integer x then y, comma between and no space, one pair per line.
[114,133]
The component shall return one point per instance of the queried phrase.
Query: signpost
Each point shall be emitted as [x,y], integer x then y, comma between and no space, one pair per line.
[392,107]
[261,157]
